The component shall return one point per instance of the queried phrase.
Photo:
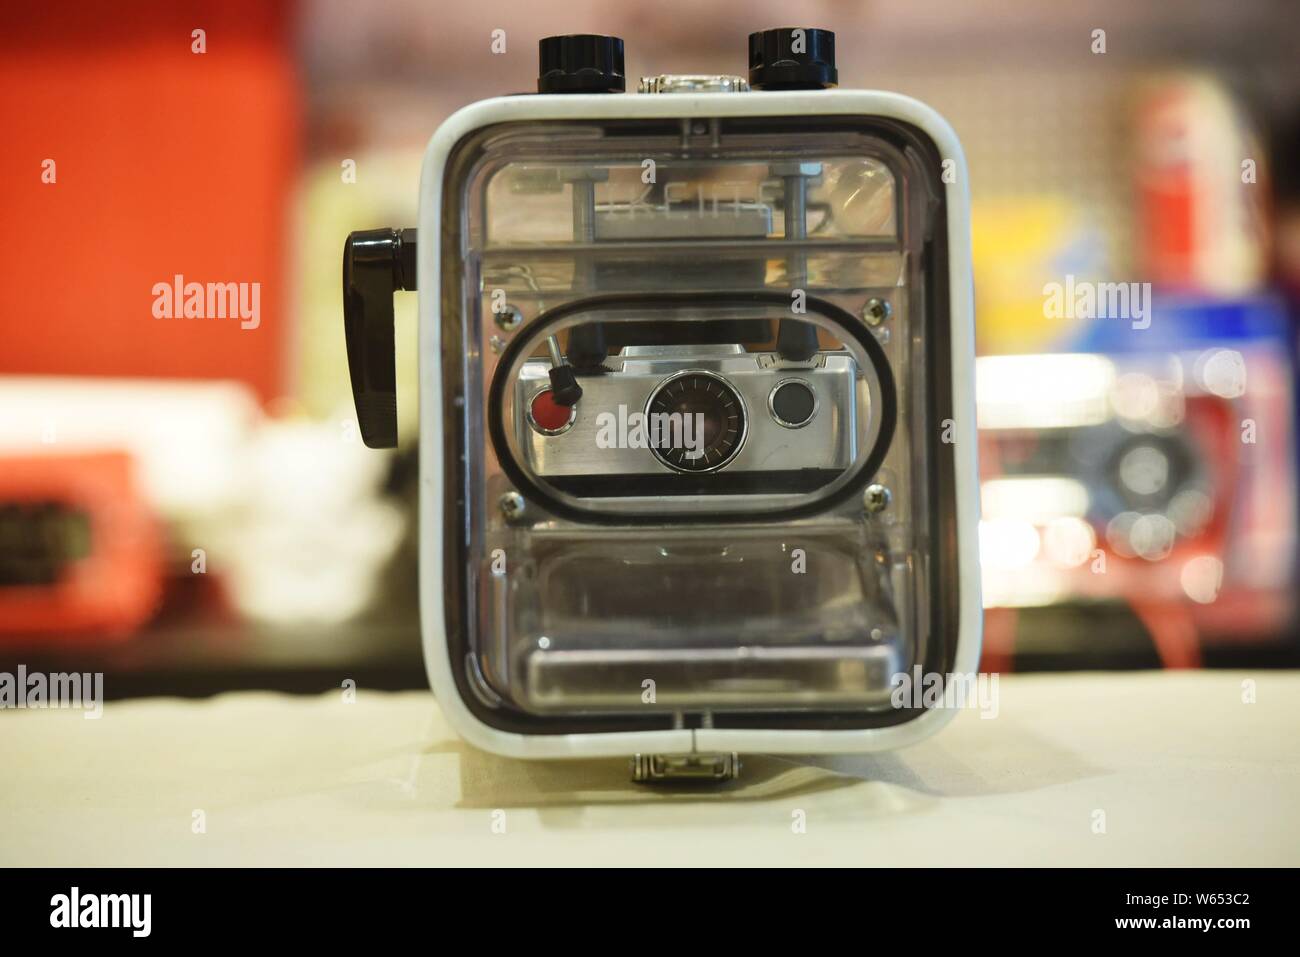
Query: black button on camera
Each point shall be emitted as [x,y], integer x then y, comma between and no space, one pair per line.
[792,404]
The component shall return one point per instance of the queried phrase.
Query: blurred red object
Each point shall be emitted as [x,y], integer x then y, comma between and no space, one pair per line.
[80,551]
[164,162]
[1202,188]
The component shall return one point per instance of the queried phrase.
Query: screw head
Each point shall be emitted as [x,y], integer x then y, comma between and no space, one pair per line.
[512,506]
[876,310]
[876,498]
[507,317]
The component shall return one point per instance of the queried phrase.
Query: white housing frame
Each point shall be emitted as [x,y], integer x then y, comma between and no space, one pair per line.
[961,298]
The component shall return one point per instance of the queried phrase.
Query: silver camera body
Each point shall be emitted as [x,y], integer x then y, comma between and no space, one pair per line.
[791,419]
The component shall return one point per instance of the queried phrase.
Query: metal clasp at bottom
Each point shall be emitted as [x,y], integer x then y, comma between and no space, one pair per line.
[655,768]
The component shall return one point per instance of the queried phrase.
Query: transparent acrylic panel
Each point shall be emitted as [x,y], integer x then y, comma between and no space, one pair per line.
[691,353]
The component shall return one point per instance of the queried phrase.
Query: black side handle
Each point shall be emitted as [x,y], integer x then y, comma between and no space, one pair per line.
[376,263]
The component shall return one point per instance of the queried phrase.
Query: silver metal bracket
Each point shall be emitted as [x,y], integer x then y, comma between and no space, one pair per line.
[693,83]
[677,768]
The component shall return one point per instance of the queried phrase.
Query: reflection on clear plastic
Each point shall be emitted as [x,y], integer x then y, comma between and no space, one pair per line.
[649,198]
[862,198]
[669,609]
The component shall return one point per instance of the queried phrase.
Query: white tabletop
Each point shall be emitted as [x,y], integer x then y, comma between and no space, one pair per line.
[1183,770]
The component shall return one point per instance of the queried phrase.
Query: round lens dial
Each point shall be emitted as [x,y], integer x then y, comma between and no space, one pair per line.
[705,424]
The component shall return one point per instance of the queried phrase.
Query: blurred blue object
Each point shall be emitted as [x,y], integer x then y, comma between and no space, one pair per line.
[1182,321]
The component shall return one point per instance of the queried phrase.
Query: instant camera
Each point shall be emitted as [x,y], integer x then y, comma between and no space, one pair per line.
[697,441]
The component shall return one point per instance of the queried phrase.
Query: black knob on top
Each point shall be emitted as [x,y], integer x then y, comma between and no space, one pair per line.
[580,63]
[792,58]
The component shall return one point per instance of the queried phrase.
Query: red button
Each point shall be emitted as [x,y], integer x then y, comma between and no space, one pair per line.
[548,415]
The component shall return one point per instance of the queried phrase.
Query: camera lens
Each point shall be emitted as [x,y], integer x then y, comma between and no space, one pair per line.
[697,422]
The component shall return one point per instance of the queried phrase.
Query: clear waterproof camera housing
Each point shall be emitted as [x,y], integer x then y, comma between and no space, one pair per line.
[697,436]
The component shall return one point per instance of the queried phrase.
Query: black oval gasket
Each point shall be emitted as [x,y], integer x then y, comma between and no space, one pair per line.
[531,490]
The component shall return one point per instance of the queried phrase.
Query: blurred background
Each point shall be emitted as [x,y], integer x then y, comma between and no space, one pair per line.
[186,505]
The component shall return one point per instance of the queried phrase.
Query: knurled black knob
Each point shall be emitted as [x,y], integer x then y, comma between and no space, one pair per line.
[792,58]
[580,63]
